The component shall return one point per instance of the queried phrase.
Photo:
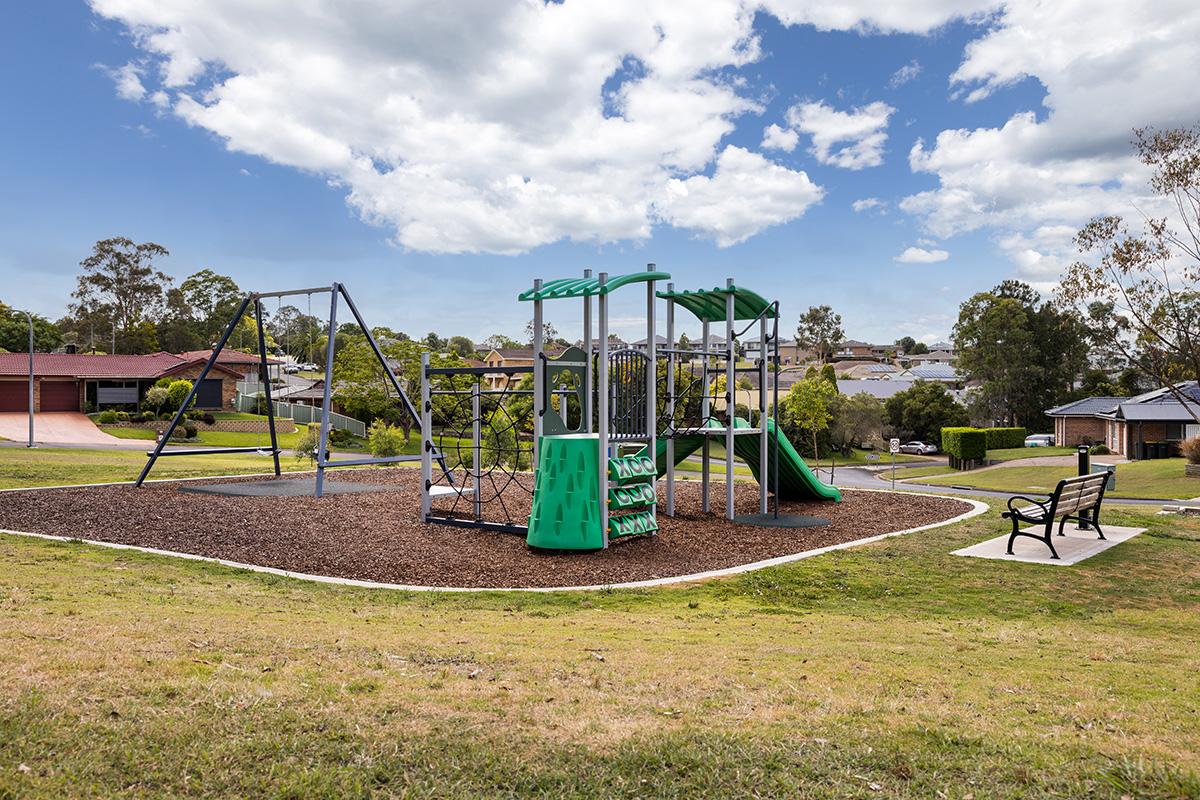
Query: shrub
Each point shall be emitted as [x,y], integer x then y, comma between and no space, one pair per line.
[385,440]
[189,431]
[260,404]
[306,445]
[193,415]
[177,392]
[155,398]
[122,416]
[208,418]
[1005,438]
[107,417]
[1191,449]
[1099,450]
[146,416]
[964,445]
[340,437]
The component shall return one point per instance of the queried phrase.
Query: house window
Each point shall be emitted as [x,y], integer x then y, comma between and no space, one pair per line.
[116,393]
[1174,431]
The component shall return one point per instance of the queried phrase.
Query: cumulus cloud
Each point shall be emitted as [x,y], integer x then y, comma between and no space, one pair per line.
[1107,67]
[777,138]
[868,204]
[851,139]
[745,194]
[908,72]
[919,255]
[128,81]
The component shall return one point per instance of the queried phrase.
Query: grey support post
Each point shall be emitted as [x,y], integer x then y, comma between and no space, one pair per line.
[587,370]
[762,414]
[426,439]
[539,374]
[671,356]
[323,441]
[730,404]
[651,380]
[476,450]
[602,399]
[266,381]
[705,411]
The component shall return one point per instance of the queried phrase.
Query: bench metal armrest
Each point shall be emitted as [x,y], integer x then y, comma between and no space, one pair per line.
[1039,503]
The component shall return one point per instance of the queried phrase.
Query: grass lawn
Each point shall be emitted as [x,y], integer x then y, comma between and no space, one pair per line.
[211,438]
[916,472]
[1013,453]
[47,466]
[236,415]
[890,671]
[1156,479]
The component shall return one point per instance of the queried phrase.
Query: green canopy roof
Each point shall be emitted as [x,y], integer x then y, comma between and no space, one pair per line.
[586,287]
[710,304]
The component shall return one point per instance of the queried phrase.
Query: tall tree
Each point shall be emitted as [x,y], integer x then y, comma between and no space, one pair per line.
[178,329]
[1147,283]
[922,410]
[14,331]
[820,330]
[806,408]
[461,345]
[1023,354]
[213,299]
[120,282]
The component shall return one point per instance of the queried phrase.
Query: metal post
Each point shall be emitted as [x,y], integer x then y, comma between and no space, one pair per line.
[730,405]
[670,402]
[775,409]
[763,475]
[602,394]
[651,379]
[1084,468]
[266,379]
[426,439]
[29,317]
[476,450]
[539,373]
[323,440]
[212,359]
[705,412]
[587,370]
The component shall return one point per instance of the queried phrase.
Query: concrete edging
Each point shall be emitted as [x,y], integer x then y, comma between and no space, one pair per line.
[978,507]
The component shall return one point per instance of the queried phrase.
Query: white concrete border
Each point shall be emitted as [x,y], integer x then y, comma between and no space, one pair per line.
[978,508]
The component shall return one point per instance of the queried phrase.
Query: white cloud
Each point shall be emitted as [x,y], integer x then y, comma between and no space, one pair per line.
[919,255]
[499,127]
[1107,67]
[777,138]
[868,204]
[908,72]
[901,16]
[745,194]
[128,81]
[853,139]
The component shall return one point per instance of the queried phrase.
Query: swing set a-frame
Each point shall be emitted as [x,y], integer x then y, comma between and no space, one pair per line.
[323,461]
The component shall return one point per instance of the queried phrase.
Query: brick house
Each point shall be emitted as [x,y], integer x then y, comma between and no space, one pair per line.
[78,381]
[1130,426]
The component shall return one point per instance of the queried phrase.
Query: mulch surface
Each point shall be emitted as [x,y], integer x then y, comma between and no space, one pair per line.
[378,537]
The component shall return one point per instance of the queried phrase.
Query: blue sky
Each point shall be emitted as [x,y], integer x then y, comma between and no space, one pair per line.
[241,136]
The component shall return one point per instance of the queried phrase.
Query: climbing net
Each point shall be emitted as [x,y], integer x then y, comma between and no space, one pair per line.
[481,419]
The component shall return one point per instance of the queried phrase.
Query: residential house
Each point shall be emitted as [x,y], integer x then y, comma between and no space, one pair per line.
[79,381]
[504,357]
[1148,425]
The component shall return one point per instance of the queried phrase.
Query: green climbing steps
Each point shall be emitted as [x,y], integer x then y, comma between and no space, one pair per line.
[566,506]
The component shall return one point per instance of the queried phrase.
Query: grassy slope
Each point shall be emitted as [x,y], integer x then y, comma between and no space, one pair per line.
[894,670]
[1162,478]
[1013,453]
[48,466]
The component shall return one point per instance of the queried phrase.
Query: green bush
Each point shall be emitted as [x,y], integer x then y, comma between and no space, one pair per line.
[177,392]
[189,431]
[385,440]
[155,398]
[146,416]
[1099,450]
[306,445]
[1005,438]
[340,437]
[122,416]
[208,419]
[107,417]
[964,445]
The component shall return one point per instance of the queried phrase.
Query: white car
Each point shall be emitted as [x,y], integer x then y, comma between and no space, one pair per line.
[918,448]
[1040,440]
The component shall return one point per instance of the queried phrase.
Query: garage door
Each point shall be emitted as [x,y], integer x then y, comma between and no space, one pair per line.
[209,394]
[14,396]
[60,396]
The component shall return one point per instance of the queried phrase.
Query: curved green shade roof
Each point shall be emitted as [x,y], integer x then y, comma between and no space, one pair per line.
[710,304]
[586,287]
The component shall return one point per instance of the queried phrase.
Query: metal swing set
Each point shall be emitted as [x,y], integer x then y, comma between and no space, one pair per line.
[323,461]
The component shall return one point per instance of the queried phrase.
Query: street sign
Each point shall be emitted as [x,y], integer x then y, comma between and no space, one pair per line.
[894,446]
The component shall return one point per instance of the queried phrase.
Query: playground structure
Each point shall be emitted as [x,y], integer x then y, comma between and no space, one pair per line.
[605,423]
[323,462]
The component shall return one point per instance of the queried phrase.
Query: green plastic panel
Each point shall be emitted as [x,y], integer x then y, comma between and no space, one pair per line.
[622,498]
[630,469]
[562,288]
[632,524]
[710,304]
[566,503]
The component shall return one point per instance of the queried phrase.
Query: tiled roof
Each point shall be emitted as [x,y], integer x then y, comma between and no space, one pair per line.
[227,356]
[84,365]
[1087,407]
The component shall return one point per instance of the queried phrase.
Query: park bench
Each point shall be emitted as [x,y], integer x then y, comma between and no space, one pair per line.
[1074,498]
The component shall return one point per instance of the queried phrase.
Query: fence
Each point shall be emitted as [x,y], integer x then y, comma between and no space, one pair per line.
[302,414]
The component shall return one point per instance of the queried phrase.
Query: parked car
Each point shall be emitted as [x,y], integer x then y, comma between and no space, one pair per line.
[1040,440]
[291,369]
[918,448]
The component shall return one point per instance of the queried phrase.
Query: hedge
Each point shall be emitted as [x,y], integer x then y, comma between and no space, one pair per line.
[964,444]
[1004,438]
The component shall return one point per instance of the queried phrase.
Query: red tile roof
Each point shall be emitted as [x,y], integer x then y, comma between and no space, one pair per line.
[85,365]
[227,357]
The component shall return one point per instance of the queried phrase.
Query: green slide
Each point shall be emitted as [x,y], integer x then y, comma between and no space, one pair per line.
[796,480]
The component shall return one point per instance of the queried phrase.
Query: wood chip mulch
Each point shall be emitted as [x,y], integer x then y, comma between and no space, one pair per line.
[377,536]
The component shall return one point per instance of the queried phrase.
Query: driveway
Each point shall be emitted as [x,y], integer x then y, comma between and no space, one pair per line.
[58,427]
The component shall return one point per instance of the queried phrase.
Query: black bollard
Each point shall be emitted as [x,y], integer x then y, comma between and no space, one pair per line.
[1085,468]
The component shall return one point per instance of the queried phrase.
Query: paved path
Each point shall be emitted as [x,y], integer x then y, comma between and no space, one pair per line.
[55,428]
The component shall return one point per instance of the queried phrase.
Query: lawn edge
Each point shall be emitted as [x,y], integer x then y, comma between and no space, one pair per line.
[977,507]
